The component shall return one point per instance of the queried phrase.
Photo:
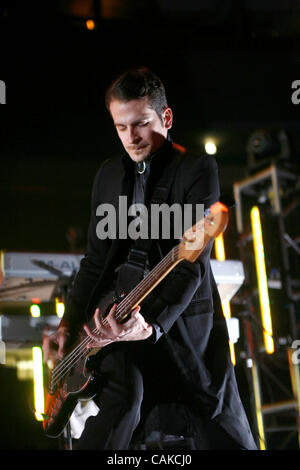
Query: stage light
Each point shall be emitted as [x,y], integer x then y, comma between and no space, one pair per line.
[24,369]
[262,280]
[268,146]
[219,247]
[90,24]
[60,308]
[210,147]
[232,353]
[35,310]
[220,256]
[39,400]
[232,328]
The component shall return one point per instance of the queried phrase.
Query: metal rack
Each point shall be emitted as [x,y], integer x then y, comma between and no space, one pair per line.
[272,188]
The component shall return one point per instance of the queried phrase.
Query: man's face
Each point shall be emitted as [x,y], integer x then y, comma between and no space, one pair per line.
[139,127]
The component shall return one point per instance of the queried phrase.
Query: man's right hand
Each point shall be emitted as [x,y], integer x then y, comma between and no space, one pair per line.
[54,345]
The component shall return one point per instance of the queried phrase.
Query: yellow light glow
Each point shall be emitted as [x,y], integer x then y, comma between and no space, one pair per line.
[262,280]
[219,247]
[90,24]
[258,412]
[226,309]
[35,310]
[232,353]
[227,315]
[220,255]
[210,147]
[60,309]
[39,400]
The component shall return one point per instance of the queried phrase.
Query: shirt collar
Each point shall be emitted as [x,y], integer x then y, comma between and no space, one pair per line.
[153,160]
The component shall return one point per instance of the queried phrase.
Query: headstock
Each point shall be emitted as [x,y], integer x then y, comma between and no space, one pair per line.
[195,239]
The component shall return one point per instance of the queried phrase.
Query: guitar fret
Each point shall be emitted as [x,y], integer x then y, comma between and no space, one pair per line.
[140,290]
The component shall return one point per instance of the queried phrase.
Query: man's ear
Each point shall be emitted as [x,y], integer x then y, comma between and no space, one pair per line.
[168,118]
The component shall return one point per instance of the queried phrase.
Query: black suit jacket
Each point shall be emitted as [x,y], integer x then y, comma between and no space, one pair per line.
[186,305]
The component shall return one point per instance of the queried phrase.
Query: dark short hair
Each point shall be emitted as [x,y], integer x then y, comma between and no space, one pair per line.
[138,83]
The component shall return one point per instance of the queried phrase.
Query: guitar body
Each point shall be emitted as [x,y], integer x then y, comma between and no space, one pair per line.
[78,384]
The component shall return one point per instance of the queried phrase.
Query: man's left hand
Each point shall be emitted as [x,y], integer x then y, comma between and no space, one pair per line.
[135,329]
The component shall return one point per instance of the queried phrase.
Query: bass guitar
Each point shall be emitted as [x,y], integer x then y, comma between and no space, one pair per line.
[72,379]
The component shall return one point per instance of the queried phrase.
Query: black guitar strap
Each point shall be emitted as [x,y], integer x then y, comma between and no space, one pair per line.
[136,265]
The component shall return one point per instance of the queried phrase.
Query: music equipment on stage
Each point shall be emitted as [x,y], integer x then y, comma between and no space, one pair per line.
[229,276]
[72,379]
[27,276]
[25,330]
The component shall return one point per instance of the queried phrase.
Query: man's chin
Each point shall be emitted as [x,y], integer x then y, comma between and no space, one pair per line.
[139,155]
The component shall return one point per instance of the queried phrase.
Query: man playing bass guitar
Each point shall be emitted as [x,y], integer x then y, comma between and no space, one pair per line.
[175,343]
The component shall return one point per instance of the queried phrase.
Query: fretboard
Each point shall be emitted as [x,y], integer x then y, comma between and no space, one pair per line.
[147,284]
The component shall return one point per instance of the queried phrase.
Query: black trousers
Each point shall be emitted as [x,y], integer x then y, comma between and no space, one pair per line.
[120,398]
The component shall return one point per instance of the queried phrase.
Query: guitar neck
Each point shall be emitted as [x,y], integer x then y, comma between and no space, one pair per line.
[153,278]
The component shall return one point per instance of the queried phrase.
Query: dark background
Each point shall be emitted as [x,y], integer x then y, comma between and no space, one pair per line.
[227,66]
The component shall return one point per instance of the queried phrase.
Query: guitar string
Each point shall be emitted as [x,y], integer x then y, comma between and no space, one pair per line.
[64,366]
[123,308]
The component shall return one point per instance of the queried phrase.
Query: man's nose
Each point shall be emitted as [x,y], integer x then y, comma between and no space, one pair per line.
[133,136]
